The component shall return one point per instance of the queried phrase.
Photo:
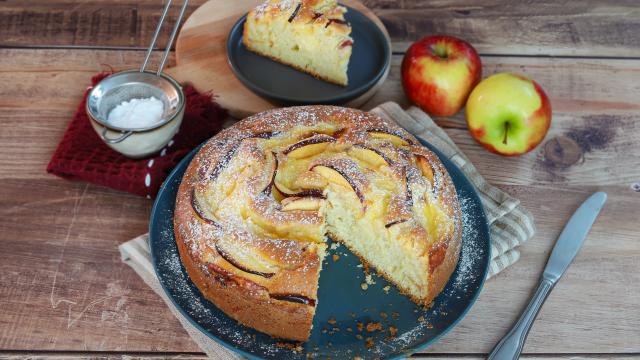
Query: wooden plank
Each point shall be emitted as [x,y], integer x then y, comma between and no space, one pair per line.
[595,107]
[79,296]
[547,27]
[597,286]
[595,111]
[64,286]
[67,290]
[585,28]
[99,23]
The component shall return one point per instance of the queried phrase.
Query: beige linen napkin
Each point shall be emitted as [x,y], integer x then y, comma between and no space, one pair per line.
[510,225]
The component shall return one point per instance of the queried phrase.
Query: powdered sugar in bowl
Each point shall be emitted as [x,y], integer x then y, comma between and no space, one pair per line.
[136,113]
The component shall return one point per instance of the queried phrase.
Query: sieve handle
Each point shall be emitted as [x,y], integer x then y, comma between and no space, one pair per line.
[171,39]
[120,138]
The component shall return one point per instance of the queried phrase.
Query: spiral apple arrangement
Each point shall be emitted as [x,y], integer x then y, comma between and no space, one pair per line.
[508,114]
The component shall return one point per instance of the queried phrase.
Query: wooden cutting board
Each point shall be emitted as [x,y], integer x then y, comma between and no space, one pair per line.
[201,55]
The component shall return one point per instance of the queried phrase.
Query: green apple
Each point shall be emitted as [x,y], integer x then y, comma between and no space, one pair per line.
[508,114]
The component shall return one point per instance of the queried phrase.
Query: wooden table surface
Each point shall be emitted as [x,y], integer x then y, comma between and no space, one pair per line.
[64,292]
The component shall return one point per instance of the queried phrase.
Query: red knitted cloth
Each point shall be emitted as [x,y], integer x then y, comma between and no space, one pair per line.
[81,155]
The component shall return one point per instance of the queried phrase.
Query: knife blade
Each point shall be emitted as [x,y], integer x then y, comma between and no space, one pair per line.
[564,251]
[572,236]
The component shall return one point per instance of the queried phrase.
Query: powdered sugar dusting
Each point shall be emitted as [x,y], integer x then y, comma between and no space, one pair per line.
[248,164]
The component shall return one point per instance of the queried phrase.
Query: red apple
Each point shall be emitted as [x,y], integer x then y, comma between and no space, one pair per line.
[508,114]
[438,72]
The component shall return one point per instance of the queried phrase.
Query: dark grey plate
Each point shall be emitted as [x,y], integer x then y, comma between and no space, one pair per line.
[283,84]
[339,296]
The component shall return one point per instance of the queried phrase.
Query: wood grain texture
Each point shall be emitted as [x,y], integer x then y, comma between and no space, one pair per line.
[201,56]
[594,101]
[547,27]
[65,288]
[585,28]
[95,23]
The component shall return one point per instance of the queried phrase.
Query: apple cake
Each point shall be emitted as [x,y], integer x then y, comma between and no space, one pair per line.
[259,199]
[309,35]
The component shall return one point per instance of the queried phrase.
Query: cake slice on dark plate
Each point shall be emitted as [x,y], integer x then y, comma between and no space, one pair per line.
[309,35]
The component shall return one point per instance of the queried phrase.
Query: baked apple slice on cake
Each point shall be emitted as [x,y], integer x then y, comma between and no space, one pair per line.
[309,35]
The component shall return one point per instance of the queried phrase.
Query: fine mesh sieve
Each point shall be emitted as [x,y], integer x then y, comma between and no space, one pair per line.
[127,85]
[138,84]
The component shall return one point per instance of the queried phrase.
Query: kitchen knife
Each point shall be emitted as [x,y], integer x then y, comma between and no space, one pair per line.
[565,249]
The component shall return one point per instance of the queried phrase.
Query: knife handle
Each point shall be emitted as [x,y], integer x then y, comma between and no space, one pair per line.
[510,347]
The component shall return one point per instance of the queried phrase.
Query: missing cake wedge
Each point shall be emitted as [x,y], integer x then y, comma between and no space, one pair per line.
[309,35]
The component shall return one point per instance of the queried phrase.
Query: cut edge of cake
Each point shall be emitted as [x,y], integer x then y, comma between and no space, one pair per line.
[301,34]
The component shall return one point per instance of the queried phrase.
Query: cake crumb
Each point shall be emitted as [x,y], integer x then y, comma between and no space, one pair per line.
[371,327]
[395,315]
[364,286]
[360,326]
[359,265]
[335,257]
[369,343]
[352,314]
[296,348]
[335,329]
[369,279]
[393,331]
[332,321]
[359,337]
[349,329]
[421,319]
[357,358]
[335,245]
[383,315]
[386,289]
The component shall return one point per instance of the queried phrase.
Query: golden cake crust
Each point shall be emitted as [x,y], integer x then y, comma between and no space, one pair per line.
[278,295]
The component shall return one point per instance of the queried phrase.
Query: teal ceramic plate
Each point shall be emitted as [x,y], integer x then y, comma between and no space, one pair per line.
[340,295]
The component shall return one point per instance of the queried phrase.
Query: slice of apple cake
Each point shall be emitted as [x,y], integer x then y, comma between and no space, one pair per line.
[309,35]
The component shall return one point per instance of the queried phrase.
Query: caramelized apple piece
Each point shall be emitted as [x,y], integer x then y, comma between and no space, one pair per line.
[286,192]
[294,298]
[336,176]
[224,161]
[369,155]
[395,138]
[333,175]
[425,167]
[197,208]
[301,203]
[242,257]
[272,172]
[395,222]
[398,210]
[309,147]
[310,180]
[265,135]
